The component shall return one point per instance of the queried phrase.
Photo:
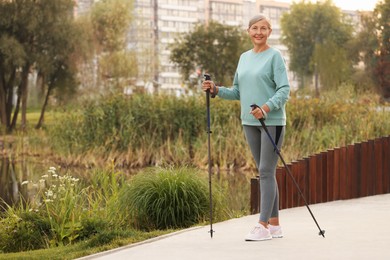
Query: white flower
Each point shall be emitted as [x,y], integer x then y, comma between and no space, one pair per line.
[52,168]
[25,182]
[55,175]
[45,176]
[49,193]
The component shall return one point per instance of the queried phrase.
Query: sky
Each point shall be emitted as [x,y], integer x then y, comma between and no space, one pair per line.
[361,5]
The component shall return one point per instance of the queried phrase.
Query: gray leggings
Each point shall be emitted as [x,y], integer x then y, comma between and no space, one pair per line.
[266,159]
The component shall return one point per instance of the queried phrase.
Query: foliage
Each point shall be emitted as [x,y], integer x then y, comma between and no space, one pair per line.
[362,49]
[22,229]
[37,36]
[110,21]
[197,50]
[120,124]
[318,124]
[382,69]
[371,46]
[117,65]
[103,209]
[63,211]
[165,198]
[317,36]
[155,130]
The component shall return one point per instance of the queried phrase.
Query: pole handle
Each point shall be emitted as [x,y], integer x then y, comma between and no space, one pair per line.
[208,77]
[253,106]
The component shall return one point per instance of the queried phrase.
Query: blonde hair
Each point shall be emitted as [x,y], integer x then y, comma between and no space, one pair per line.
[258,17]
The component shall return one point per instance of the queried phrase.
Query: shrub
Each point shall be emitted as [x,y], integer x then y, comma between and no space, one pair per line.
[23,229]
[167,198]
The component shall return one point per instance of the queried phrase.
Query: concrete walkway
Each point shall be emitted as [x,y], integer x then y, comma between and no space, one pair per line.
[355,229]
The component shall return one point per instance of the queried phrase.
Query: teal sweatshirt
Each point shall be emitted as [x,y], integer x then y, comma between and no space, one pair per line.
[260,78]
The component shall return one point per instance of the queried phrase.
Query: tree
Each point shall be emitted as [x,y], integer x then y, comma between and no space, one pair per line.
[317,36]
[110,22]
[214,49]
[56,66]
[362,49]
[382,68]
[371,46]
[35,36]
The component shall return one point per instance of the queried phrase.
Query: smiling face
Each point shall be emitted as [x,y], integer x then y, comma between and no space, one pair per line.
[259,33]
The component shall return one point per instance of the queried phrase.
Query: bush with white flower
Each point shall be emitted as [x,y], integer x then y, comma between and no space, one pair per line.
[60,205]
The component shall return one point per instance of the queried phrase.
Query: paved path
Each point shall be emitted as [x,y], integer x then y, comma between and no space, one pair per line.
[355,229]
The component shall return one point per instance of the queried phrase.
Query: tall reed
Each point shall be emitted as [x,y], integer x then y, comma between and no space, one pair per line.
[145,130]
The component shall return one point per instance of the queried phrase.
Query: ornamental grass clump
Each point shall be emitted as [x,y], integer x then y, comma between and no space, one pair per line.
[167,198]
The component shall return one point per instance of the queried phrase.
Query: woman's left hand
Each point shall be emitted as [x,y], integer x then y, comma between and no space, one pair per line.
[256,112]
[260,112]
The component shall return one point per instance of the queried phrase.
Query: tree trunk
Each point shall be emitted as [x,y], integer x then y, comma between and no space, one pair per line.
[42,117]
[316,80]
[382,74]
[40,83]
[6,99]
[16,112]
[301,80]
[9,93]
[3,114]
[24,93]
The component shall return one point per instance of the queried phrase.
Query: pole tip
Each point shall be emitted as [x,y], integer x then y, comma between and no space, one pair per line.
[322,233]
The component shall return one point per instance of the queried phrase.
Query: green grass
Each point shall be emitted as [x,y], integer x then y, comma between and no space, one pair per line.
[87,247]
[51,117]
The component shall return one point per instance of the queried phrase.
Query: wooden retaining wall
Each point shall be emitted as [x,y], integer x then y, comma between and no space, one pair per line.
[354,171]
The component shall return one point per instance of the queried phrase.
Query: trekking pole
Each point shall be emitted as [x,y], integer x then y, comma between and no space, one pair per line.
[322,232]
[207,77]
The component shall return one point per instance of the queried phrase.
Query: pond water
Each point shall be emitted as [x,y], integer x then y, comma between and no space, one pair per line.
[14,172]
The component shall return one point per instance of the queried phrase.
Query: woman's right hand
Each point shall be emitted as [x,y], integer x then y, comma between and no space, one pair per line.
[209,85]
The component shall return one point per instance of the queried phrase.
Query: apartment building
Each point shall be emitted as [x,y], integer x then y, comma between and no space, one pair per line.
[158,22]
[164,20]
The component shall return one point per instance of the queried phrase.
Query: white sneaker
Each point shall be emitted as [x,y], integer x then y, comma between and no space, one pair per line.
[276,231]
[259,233]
